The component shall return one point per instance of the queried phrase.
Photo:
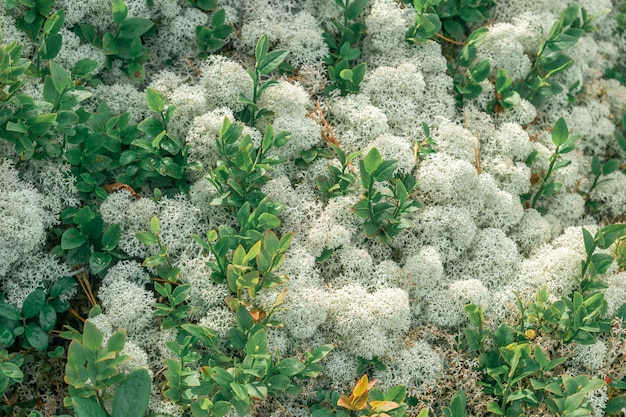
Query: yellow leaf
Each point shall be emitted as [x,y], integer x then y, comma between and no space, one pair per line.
[345,402]
[383,405]
[361,387]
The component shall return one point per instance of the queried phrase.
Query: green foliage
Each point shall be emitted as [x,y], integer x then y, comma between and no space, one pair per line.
[564,143]
[124,42]
[458,405]
[266,63]
[598,169]
[506,96]
[242,169]
[85,241]
[211,38]
[41,25]
[92,371]
[247,260]
[31,126]
[520,376]
[427,146]
[580,316]
[364,400]
[10,372]
[213,383]
[551,58]
[37,317]
[384,208]
[341,180]
[157,156]
[344,73]
[466,72]
[450,17]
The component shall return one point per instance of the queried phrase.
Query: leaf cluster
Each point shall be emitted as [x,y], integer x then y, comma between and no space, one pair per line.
[124,42]
[341,180]
[242,169]
[219,382]
[41,25]
[10,372]
[265,63]
[521,377]
[364,400]
[450,17]
[506,96]
[598,169]
[211,38]
[466,72]
[384,208]
[551,59]
[344,73]
[85,241]
[92,370]
[31,324]
[564,143]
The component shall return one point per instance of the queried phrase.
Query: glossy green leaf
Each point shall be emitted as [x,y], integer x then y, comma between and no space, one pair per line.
[87,407]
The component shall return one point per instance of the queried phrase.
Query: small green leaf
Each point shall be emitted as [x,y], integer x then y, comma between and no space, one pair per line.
[99,261]
[111,237]
[120,11]
[372,161]
[155,100]
[155,225]
[560,133]
[290,367]
[268,221]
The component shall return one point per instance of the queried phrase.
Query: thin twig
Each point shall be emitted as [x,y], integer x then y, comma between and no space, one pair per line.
[477,155]
[452,41]
[193,67]
[84,284]
[328,135]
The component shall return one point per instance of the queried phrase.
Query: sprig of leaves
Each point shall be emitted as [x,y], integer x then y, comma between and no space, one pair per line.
[551,58]
[564,143]
[385,209]
[266,63]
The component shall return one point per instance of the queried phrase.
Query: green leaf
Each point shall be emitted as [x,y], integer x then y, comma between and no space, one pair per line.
[590,244]
[615,405]
[268,221]
[120,11]
[47,317]
[10,312]
[33,303]
[59,76]
[133,394]
[385,170]
[111,237]
[272,61]
[257,344]
[155,100]
[147,238]
[72,238]
[155,225]
[134,27]
[92,338]
[290,367]
[560,133]
[372,161]
[354,9]
[86,407]
[99,261]
[262,46]
[36,337]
